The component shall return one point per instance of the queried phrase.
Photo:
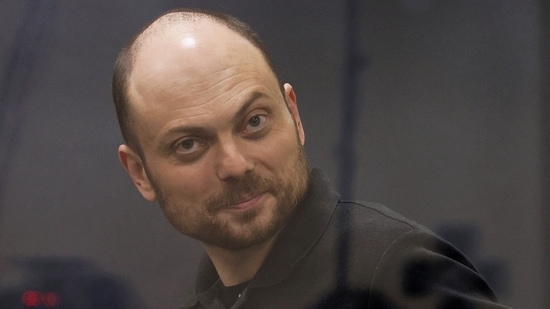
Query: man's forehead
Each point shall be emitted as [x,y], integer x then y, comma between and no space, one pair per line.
[200,43]
[176,25]
[179,58]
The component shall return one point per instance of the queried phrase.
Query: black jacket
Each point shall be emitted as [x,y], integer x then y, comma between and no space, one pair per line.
[336,254]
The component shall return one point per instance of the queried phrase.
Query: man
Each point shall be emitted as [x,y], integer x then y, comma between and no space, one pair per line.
[212,134]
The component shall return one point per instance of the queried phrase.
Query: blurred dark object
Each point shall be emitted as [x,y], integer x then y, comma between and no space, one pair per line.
[467,238]
[61,283]
[345,298]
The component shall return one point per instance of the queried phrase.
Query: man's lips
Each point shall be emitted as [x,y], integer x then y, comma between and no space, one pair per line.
[247,203]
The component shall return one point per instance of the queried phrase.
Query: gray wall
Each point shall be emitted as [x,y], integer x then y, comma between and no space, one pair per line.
[449,131]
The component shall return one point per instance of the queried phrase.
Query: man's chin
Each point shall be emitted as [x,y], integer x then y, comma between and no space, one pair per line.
[244,230]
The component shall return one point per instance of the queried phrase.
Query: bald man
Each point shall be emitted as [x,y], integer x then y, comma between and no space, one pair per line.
[213,136]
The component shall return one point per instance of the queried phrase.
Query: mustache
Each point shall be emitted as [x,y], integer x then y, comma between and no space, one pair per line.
[238,191]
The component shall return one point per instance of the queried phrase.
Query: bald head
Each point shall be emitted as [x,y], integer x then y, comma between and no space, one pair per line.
[187,32]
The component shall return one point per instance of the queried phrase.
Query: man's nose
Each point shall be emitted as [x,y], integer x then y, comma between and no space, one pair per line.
[233,161]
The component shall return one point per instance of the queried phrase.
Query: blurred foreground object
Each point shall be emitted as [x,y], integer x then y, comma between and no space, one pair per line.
[62,283]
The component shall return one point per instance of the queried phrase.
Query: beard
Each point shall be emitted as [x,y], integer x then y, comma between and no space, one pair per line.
[249,227]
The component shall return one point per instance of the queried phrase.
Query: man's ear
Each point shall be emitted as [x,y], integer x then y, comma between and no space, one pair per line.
[292,104]
[134,167]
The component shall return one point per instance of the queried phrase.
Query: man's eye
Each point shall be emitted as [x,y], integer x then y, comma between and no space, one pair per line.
[188,146]
[255,123]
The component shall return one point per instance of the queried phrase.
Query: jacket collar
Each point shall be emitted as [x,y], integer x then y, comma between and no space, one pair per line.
[302,232]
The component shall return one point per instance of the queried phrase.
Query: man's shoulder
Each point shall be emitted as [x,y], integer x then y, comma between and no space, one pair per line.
[376,216]
[375,231]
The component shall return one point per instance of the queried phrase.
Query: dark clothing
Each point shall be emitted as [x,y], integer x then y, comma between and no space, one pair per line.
[229,294]
[392,263]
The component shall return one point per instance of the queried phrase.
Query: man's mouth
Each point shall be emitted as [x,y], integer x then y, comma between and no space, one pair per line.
[246,202]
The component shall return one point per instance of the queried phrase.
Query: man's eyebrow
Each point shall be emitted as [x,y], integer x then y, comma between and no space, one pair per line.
[192,130]
[199,130]
[249,100]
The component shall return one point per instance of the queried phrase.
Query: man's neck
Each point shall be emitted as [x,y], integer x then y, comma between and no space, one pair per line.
[237,266]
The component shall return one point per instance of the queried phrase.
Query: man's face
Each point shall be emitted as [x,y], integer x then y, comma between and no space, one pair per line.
[221,149]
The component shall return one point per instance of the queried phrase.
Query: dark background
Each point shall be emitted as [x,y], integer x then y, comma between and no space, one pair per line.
[452,131]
